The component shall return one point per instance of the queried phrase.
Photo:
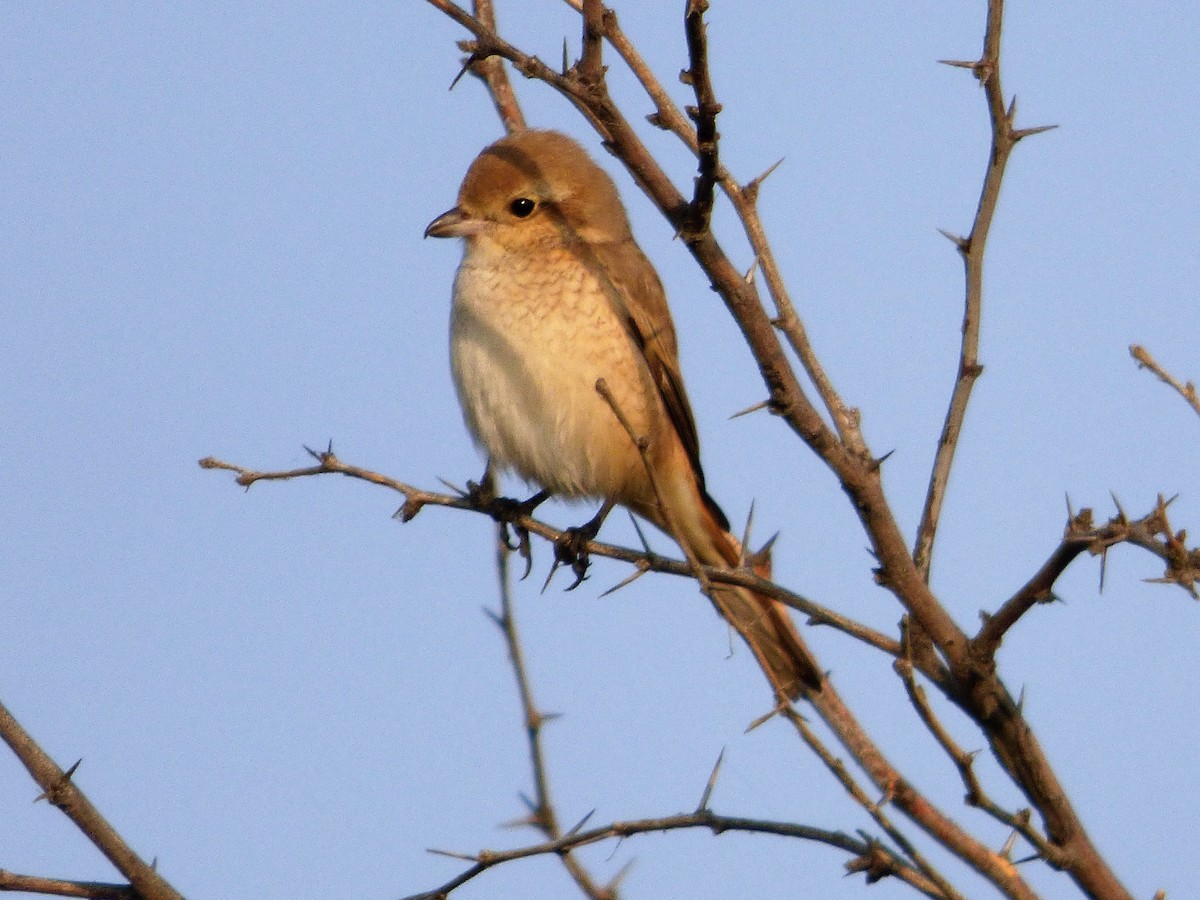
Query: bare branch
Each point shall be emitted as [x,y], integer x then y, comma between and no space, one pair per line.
[491,72]
[863,849]
[514,514]
[1146,361]
[542,813]
[971,248]
[57,887]
[704,114]
[965,763]
[61,791]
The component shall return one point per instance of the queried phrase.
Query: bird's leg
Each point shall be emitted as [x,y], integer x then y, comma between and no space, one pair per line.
[570,547]
[505,511]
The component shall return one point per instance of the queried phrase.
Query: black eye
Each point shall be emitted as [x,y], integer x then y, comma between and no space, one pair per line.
[521,207]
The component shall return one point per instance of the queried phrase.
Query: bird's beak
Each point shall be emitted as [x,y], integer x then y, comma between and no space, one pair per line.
[453,223]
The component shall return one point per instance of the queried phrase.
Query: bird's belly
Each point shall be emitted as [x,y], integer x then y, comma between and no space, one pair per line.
[526,359]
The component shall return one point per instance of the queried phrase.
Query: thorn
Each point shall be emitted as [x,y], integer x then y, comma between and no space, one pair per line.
[452,854]
[877,464]
[746,537]
[625,582]
[761,558]
[749,276]
[752,186]
[533,820]
[1019,133]
[566,65]
[749,409]
[1011,112]
[962,243]
[641,534]
[712,782]
[1006,850]
[614,883]
[467,63]
[71,771]
[1021,700]
[497,619]
[1121,517]
[553,568]
[1070,508]
[959,63]
[579,825]
[454,487]
[765,717]
[1103,567]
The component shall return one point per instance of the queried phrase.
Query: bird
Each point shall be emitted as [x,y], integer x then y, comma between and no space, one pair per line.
[566,365]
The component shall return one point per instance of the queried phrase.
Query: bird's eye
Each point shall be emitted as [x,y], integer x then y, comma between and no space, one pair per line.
[521,207]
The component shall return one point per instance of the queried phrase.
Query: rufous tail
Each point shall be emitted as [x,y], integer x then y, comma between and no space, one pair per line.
[764,623]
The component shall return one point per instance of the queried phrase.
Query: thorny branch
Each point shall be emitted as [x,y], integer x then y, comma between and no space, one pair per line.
[511,513]
[973,683]
[870,857]
[972,248]
[60,790]
[542,814]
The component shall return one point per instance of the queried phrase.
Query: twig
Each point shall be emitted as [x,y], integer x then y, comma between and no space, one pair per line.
[510,511]
[972,249]
[1152,532]
[873,808]
[542,814]
[591,63]
[61,791]
[58,887]
[491,71]
[718,824]
[1146,361]
[965,763]
[704,114]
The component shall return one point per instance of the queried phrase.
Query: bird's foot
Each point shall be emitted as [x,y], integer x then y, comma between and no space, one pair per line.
[571,548]
[508,513]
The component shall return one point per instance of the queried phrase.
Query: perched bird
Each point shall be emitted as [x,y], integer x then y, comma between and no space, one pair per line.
[552,296]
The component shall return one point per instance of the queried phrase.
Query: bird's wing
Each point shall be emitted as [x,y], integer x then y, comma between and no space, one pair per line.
[641,304]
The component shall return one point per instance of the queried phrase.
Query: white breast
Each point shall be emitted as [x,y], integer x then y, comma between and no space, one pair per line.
[529,337]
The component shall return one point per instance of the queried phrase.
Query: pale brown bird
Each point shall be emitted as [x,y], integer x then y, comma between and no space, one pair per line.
[553,294]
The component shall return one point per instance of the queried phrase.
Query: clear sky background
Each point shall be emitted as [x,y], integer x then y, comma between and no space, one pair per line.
[211,219]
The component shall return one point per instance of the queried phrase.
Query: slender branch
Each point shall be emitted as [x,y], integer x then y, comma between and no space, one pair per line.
[542,814]
[704,114]
[60,790]
[1152,532]
[870,857]
[510,512]
[1039,588]
[491,72]
[1146,361]
[591,63]
[899,791]
[873,808]
[965,763]
[972,248]
[57,887]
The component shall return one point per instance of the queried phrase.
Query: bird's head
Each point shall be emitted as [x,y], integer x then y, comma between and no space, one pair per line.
[535,189]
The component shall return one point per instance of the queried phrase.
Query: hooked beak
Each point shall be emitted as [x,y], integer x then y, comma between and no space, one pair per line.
[453,223]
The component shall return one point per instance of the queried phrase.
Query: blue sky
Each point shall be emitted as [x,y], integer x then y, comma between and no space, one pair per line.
[212,219]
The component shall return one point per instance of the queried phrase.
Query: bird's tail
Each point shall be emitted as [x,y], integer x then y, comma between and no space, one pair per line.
[764,623]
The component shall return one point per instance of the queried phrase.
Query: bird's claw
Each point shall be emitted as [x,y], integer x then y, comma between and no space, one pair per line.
[508,513]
